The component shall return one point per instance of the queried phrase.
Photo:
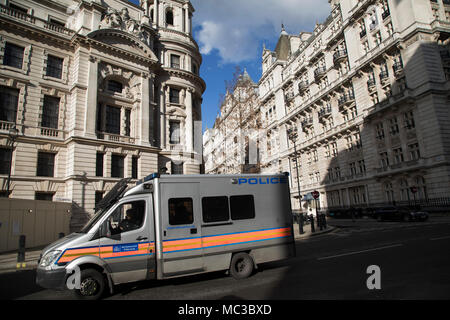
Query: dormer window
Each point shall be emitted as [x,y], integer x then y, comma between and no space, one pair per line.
[115,86]
[169,17]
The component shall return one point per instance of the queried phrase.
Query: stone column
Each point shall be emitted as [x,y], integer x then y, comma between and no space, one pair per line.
[162,120]
[91,100]
[144,115]
[155,12]
[186,19]
[189,134]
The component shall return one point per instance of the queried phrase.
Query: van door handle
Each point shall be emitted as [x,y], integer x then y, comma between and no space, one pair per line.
[194,231]
[141,238]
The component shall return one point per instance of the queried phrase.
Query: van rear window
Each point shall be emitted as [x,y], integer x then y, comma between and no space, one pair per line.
[180,211]
[215,209]
[242,207]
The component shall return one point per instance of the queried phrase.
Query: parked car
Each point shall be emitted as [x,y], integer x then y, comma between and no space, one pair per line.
[390,213]
[418,216]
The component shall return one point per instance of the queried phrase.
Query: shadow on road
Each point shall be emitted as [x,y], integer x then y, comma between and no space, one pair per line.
[17,284]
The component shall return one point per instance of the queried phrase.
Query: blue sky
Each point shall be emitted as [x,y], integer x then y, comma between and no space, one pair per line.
[232,33]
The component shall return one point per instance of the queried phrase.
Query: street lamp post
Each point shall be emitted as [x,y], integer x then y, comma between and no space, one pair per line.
[292,134]
[12,136]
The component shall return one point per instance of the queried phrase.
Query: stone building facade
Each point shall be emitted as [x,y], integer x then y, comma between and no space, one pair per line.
[231,146]
[365,97]
[98,90]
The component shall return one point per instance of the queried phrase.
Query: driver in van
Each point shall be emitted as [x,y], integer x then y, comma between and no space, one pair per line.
[131,221]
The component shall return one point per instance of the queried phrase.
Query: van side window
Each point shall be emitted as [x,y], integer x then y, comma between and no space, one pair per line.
[180,211]
[127,217]
[215,209]
[242,207]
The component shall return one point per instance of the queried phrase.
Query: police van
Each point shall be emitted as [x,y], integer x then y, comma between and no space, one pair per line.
[174,225]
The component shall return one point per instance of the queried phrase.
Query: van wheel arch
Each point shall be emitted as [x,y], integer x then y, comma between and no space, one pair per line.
[103,271]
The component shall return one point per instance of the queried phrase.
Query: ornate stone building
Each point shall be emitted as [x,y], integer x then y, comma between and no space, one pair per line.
[365,98]
[98,90]
[231,146]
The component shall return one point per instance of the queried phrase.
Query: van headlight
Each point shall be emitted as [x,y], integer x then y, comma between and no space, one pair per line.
[49,258]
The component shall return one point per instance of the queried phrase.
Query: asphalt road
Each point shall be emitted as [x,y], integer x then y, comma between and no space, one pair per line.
[413,259]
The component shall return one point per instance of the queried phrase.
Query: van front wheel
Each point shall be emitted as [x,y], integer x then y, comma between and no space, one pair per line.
[241,266]
[92,285]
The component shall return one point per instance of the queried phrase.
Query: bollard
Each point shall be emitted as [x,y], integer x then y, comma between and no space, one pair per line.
[311,218]
[320,221]
[324,221]
[21,251]
[300,223]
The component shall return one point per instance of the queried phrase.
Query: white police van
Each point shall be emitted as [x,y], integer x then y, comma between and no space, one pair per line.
[174,225]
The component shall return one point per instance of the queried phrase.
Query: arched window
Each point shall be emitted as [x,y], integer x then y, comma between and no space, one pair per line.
[169,17]
[389,192]
[404,190]
[421,187]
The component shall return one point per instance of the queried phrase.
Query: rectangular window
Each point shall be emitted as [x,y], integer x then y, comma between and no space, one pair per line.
[409,120]
[127,122]
[112,120]
[115,86]
[398,155]
[99,164]
[5,160]
[9,99]
[45,164]
[174,132]
[174,61]
[176,168]
[13,55]
[117,166]
[54,67]
[46,196]
[414,152]
[242,207]
[98,197]
[134,167]
[393,126]
[384,159]
[50,112]
[362,166]
[181,211]
[380,131]
[215,209]
[174,95]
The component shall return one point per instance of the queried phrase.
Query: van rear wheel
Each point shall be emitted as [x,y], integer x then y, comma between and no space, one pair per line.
[241,266]
[92,285]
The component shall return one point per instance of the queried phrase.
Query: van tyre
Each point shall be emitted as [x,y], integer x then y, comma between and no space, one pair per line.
[92,285]
[241,266]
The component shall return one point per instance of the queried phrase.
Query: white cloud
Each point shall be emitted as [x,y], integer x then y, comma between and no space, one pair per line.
[235,28]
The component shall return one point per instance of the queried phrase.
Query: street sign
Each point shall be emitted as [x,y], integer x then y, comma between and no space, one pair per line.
[315,194]
[413,189]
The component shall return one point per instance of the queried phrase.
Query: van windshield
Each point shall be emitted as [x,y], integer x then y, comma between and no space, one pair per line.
[97,216]
[110,198]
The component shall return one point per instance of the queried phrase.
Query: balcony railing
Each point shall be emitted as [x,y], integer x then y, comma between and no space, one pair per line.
[289,96]
[319,73]
[371,83]
[398,67]
[302,86]
[307,122]
[346,98]
[385,14]
[114,137]
[384,75]
[52,27]
[339,55]
[323,112]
